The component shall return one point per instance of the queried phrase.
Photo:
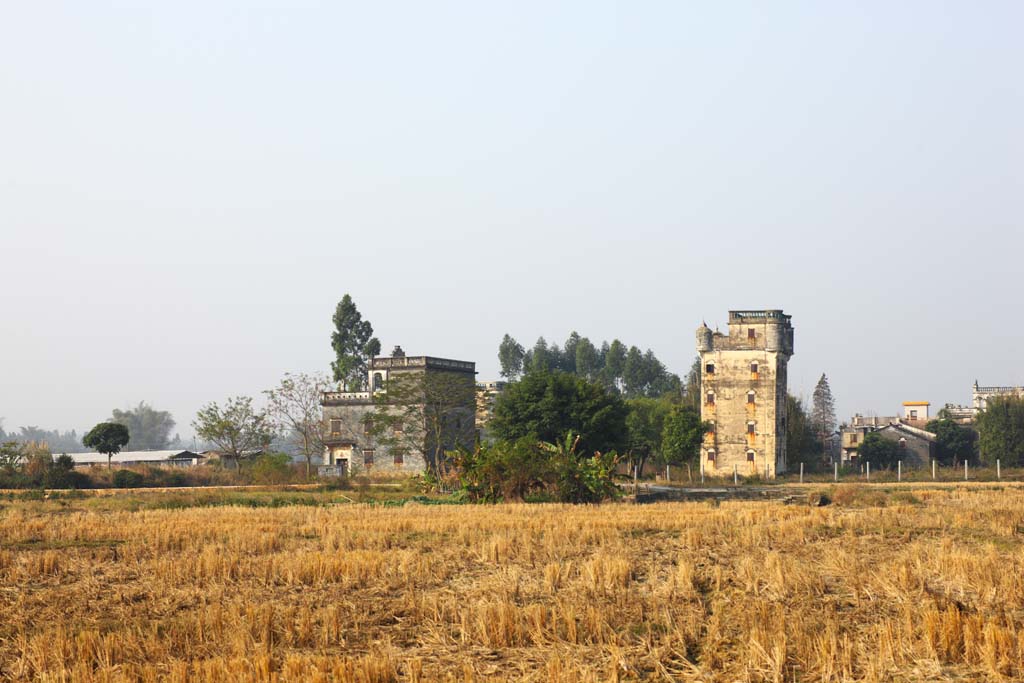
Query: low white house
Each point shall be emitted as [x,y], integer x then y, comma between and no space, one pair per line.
[128,458]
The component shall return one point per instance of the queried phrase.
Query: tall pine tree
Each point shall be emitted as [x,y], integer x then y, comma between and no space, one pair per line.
[823,411]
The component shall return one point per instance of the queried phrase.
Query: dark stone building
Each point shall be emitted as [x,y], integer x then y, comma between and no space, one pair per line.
[427,403]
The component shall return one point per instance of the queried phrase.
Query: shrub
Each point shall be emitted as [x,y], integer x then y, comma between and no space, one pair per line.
[127,479]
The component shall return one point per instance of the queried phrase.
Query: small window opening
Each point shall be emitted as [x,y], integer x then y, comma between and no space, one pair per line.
[368,454]
[750,397]
[711,399]
[709,369]
[751,426]
[853,438]
[751,334]
[399,454]
[335,426]
[711,456]
[753,368]
[367,427]
[750,456]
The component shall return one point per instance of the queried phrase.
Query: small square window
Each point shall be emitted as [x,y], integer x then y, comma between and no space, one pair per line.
[750,428]
[751,334]
[711,399]
[335,427]
[750,456]
[753,368]
[709,369]
[711,456]
[367,427]
[399,455]
[750,397]
[368,456]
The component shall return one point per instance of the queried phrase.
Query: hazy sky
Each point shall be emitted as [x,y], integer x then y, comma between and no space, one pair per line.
[188,188]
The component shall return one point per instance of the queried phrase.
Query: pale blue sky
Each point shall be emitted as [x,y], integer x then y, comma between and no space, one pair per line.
[186,190]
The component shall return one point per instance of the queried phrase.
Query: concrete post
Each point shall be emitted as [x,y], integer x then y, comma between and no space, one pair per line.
[868,471]
[933,468]
[837,472]
[801,473]
[965,470]
[899,470]
[735,476]
[998,473]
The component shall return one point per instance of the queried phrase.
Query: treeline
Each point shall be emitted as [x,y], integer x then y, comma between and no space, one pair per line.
[626,370]
[149,430]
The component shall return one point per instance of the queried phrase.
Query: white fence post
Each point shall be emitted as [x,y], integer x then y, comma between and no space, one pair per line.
[735,476]
[933,468]
[965,470]
[801,473]
[899,470]
[998,473]
[837,472]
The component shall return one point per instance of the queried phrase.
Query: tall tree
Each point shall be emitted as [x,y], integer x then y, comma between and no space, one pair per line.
[1001,431]
[353,343]
[587,360]
[538,359]
[107,438]
[645,423]
[294,409]
[510,357]
[615,363]
[236,429]
[802,445]
[149,428]
[548,405]
[823,411]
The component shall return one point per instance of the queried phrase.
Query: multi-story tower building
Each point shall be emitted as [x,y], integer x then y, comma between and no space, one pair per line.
[743,393]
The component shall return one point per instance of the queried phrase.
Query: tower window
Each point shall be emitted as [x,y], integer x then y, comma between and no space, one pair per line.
[368,456]
[399,455]
[711,456]
[750,456]
[709,369]
[753,369]
[711,399]
[751,334]
[335,426]
[750,398]
[751,426]
[367,427]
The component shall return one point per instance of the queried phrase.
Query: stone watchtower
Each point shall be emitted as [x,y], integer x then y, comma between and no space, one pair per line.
[743,393]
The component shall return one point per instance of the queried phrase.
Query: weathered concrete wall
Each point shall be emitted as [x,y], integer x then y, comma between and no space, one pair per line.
[917,452]
[744,380]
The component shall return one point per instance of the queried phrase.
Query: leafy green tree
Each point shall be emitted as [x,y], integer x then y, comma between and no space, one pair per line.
[538,359]
[353,343]
[956,444]
[294,410]
[682,434]
[236,430]
[615,363]
[1001,431]
[802,445]
[645,423]
[588,361]
[107,438]
[882,453]
[568,356]
[510,357]
[691,390]
[547,405]
[150,429]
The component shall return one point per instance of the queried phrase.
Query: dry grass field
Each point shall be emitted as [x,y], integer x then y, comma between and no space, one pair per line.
[916,585]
